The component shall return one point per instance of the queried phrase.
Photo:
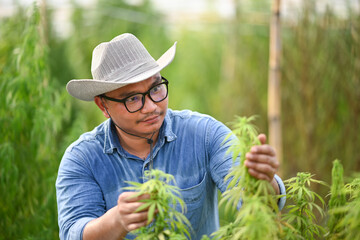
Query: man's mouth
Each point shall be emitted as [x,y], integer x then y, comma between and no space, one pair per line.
[151,119]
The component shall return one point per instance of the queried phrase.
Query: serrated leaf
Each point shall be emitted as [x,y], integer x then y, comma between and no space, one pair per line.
[151,213]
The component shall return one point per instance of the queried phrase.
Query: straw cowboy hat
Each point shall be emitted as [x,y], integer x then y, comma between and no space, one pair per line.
[122,61]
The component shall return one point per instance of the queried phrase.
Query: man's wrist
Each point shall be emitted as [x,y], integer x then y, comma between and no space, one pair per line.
[105,227]
[275,186]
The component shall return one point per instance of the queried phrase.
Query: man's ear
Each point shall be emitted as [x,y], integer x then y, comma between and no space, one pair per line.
[102,105]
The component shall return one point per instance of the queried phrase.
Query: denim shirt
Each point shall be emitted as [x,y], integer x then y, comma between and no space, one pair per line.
[95,168]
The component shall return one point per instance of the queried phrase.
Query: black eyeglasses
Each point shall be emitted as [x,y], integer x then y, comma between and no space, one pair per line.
[136,101]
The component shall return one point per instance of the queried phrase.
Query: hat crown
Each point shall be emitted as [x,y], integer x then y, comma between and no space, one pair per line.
[123,57]
[115,64]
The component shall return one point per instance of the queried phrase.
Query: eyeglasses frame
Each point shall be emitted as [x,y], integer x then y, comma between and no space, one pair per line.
[123,100]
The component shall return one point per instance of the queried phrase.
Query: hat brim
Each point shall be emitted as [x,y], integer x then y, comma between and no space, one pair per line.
[87,89]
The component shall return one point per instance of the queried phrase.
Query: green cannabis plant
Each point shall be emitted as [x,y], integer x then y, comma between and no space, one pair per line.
[255,210]
[257,216]
[300,213]
[345,215]
[166,222]
[337,200]
[351,221]
[34,111]
[343,210]
[240,181]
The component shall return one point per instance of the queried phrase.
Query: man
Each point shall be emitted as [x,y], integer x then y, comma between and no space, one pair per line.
[140,133]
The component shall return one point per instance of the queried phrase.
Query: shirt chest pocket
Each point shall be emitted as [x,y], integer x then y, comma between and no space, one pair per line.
[194,198]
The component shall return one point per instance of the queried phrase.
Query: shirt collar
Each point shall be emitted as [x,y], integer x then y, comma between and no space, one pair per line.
[167,126]
[111,141]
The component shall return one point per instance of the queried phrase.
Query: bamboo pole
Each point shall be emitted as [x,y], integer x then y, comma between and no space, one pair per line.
[43,22]
[274,93]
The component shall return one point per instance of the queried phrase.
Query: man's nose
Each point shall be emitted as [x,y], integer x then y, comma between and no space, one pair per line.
[149,105]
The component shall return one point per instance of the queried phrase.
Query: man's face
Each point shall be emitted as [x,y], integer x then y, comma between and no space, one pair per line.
[143,122]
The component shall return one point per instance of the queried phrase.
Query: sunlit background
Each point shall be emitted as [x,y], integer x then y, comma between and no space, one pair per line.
[220,68]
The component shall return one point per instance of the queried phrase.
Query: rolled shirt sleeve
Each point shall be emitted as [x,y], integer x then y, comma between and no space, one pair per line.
[79,198]
[282,200]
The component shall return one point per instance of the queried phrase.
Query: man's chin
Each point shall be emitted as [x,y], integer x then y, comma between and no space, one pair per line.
[153,128]
[149,131]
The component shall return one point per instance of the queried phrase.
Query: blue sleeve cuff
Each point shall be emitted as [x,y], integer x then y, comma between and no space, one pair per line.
[282,200]
[76,230]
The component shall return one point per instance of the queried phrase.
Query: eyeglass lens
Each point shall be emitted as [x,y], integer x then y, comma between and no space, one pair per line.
[156,94]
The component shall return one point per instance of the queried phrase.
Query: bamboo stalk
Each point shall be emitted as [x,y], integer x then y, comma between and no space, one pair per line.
[274,93]
[43,22]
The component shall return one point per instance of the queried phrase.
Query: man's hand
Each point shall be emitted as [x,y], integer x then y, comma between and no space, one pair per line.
[127,215]
[119,220]
[262,163]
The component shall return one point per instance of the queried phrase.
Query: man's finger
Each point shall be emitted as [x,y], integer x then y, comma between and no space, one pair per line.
[262,158]
[132,207]
[137,217]
[131,197]
[262,138]
[137,225]
[261,168]
[263,149]
[259,175]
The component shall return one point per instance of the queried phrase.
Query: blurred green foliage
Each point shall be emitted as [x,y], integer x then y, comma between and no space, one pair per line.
[220,69]
[321,91]
[34,118]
